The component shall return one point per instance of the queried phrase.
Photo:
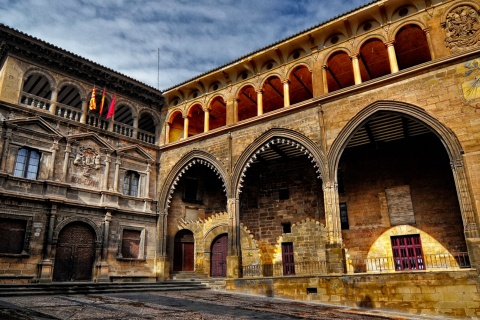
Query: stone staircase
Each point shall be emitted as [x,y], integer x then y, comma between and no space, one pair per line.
[9,290]
[213,283]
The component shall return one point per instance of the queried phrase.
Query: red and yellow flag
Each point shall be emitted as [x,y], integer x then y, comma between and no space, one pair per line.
[111,108]
[103,100]
[93,102]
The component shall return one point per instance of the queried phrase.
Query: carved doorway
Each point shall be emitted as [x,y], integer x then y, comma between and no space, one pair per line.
[184,251]
[218,264]
[75,253]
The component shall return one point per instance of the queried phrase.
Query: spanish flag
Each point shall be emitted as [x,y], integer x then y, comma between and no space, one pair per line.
[103,100]
[93,103]
[111,109]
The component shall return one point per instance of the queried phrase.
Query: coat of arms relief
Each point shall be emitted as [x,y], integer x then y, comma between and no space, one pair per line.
[462,26]
[87,159]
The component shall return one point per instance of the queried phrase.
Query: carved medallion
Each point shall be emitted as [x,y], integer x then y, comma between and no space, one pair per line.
[462,26]
[88,159]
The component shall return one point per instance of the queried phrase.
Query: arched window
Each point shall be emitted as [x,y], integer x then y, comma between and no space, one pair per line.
[411,46]
[27,163]
[339,71]
[130,183]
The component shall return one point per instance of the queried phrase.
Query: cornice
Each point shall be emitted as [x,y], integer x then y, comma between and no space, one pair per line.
[23,46]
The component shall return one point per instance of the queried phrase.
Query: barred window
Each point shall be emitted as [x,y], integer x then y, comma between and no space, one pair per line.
[27,163]
[407,252]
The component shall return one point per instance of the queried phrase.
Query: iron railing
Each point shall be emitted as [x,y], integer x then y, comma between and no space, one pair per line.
[276,269]
[443,261]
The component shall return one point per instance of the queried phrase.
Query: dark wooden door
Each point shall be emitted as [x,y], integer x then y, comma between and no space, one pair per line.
[75,253]
[218,264]
[184,251]
[288,258]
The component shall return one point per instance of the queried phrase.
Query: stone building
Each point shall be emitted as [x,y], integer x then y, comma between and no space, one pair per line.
[338,165]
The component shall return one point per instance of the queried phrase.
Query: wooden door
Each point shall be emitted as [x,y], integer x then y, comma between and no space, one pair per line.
[184,251]
[288,258]
[75,253]
[218,263]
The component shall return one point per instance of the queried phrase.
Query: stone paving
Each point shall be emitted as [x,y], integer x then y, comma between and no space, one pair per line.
[195,305]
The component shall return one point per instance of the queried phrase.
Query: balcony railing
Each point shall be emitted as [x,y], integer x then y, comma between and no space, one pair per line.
[276,270]
[35,102]
[68,112]
[452,261]
[123,129]
[146,136]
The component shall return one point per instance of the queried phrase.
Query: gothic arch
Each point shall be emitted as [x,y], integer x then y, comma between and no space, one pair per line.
[80,88]
[144,111]
[182,166]
[35,70]
[305,144]
[446,135]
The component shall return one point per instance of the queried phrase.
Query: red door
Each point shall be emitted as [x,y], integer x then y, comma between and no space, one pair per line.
[218,263]
[184,251]
[75,253]
[287,258]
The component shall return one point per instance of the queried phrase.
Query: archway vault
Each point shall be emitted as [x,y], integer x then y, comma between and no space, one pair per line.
[277,143]
[182,166]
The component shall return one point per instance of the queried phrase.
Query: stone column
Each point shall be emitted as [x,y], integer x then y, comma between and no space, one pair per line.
[429,42]
[147,183]
[206,124]
[335,255]
[234,263]
[83,119]
[117,173]
[46,265]
[6,146]
[135,127]
[167,132]
[324,76]
[356,69]
[108,159]
[102,266]
[235,111]
[68,150]
[163,265]
[185,127]
[53,100]
[392,57]
[54,149]
[259,102]
[286,93]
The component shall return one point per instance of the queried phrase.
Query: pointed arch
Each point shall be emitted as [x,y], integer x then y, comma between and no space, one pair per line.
[196,156]
[276,136]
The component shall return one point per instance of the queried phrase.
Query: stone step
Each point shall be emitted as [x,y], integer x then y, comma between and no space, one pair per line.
[91,288]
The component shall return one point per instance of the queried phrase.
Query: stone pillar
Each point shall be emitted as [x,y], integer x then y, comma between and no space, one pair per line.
[163,264]
[286,93]
[429,42]
[45,266]
[185,127]
[54,149]
[6,146]
[108,160]
[392,56]
[135,127]
[167,132]
[334,251]
[324,77]
[68,150]
[147,182]
[53,100]
[206,125]
[356,69]
[259,102]
[235,111]
[102,266]
[83,119]
[234,261]
[117,173]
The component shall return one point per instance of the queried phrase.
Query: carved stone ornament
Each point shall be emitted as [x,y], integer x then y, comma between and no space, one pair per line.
[462,26]
[88,159]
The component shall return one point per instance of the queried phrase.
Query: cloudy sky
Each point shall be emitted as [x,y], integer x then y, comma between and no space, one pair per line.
[192,36]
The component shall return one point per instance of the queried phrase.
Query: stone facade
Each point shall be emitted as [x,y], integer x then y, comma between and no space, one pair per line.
[339,165]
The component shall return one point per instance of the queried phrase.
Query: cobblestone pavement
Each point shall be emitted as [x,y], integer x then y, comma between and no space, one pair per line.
[175,305]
